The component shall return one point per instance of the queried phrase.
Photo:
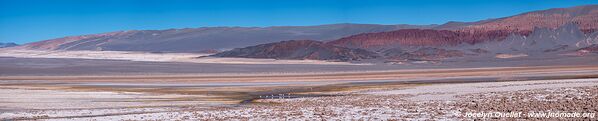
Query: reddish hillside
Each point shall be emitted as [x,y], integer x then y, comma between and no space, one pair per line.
[426,53]
[586,17]
[453,33]
[547,31]
[418,37]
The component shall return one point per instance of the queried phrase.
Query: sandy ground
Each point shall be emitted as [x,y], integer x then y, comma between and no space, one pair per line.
[415,102]
[96,85]
[437,94]
[57,99]
[439,75]
[154,57]
[451,91]
[80,63]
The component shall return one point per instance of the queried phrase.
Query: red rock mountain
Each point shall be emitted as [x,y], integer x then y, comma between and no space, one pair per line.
[548,31]
[586,17]
[418,37]
[454,33]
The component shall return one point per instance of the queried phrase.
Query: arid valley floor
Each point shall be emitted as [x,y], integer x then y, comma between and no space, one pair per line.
[306,60]
[56,88]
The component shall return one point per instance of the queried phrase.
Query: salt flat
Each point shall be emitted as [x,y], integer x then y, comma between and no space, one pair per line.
[153,57]
[413,102]
[450,91]
[155,86]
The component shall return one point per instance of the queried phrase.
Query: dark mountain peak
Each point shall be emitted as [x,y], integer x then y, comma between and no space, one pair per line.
[418,37]
[7,44]
[299,49]
[293,44]
[424,53]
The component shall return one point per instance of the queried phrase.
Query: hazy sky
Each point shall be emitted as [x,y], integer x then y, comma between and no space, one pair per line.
[25,21]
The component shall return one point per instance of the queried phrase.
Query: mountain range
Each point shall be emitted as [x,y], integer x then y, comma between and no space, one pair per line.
[563,31]
[206,39]
[567,39]
[554,31]
[7,44]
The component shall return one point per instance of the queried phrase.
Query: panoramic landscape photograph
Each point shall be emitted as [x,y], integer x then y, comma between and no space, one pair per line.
[280,60]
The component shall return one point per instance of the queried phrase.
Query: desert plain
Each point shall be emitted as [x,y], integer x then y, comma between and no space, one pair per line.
[162,86]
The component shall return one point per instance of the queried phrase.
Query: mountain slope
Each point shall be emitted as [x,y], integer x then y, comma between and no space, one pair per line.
[455,33]
[584,16]
[542,40]
[416,37]
[224,38]
[429,45]
[9,44]
[207,38]
[299,49]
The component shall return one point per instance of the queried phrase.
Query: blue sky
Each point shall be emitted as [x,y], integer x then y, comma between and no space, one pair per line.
[24,21]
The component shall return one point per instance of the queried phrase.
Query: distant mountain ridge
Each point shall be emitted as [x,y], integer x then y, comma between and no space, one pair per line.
[585,16]
[541,41]
[206,38]
[418,37]
[7,44]
[559,30]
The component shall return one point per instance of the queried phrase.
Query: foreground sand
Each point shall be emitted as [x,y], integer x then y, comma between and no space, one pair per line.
[384,94]
[438,75]
[405,102]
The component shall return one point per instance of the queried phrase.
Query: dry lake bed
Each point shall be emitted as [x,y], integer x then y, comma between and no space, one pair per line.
[435,94]
[48,88]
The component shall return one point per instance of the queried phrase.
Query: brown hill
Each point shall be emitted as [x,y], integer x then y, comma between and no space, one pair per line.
[418,37]
[455,33]
[299,49]
[586,17]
